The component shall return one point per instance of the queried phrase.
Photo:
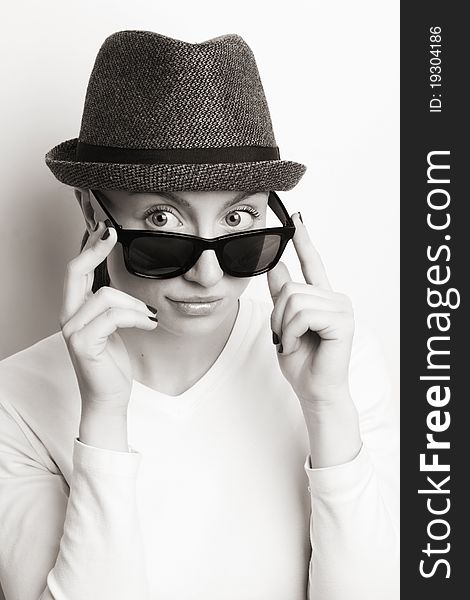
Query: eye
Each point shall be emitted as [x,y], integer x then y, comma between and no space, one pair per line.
[234,218]
[158,216]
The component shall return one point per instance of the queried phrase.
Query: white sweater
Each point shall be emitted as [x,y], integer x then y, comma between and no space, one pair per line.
[215,500]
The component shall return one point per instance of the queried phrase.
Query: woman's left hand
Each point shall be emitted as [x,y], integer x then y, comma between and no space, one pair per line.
[315,327]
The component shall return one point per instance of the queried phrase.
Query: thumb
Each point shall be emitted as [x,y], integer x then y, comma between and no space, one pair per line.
[277,277]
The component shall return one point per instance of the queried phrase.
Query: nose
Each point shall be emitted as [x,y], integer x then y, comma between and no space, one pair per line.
[206,271]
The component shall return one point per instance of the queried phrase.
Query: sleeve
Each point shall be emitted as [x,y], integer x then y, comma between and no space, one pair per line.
[58,543]
[354,523]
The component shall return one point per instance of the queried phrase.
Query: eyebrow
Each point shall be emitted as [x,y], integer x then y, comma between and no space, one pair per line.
[171,196]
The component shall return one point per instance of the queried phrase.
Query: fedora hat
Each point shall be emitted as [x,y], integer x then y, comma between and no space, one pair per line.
[164,114]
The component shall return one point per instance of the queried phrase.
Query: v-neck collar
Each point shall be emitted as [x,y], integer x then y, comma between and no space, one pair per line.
[223,365]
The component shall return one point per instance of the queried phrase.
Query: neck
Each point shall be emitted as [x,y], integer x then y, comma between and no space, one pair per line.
[171,363]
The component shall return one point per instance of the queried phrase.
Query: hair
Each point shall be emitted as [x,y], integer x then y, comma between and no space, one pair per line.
[101,275]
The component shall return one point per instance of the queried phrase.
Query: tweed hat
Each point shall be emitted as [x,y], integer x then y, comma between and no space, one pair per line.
[164,114]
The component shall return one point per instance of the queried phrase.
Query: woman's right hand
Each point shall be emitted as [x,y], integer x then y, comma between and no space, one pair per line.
[89,324]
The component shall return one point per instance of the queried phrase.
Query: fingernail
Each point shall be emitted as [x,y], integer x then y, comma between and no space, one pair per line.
[108,224]
[280,349]
[97,224]
[151,309]
[275,338]
[154,319]
[300,217]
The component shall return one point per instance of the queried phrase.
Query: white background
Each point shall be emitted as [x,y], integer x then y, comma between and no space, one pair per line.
[330,74]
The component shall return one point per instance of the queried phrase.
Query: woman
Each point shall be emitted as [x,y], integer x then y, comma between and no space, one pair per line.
[157,446]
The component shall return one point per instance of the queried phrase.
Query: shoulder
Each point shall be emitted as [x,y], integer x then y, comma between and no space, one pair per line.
[38,389]
[367,352]
[41,367]
[369,377]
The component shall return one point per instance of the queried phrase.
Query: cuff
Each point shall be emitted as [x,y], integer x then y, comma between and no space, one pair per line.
[103,460]
[339,478]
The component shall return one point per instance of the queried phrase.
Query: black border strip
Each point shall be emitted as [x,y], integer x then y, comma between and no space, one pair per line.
[423,132]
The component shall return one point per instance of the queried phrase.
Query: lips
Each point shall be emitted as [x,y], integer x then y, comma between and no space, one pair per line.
[199,308]
[197,299]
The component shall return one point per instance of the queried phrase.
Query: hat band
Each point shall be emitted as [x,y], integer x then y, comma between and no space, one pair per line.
[224,154]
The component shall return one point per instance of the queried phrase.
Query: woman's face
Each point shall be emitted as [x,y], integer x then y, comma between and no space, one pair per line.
[205,214]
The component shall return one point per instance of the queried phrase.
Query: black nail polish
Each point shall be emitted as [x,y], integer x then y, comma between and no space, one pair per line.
[275,338]
[152,309]
[154,319]
[300,217]
[280,349]
[108,224]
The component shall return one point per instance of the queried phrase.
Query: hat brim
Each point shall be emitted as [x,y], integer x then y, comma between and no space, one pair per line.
[266,175]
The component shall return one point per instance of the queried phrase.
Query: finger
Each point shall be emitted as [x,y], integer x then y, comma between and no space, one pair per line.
[297,287]
[290,302]
[277,277]
[298,302]
[324,322]
[104,299]
[94,235]
[94,335]
[311,263]
[78,279]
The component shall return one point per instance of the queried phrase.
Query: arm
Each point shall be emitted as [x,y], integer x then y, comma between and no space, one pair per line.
[61,544]
[354,519]
[351,428]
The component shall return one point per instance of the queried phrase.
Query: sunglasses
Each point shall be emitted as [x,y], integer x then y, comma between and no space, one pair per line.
[164,254]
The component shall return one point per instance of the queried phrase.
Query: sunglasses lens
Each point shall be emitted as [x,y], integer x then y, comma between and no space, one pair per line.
[249,254]
[158,256]
[155,256]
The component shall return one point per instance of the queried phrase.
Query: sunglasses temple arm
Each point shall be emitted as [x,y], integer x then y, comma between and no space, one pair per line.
[96,194]
[279,209]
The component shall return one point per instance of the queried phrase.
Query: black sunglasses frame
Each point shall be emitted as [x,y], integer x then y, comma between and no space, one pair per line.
[126,236]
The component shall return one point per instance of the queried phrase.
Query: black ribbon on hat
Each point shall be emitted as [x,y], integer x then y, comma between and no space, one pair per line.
[224,154]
